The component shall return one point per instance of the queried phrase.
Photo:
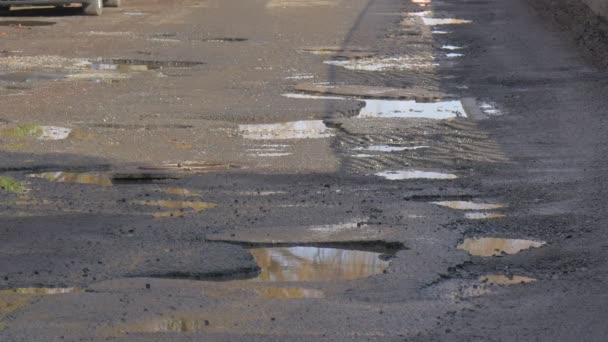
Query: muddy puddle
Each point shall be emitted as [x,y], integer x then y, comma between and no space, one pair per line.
[467,205]
[26,23]
[181,208]
[401,63]
[311,97]
[412,109]
[92,178]
[310,129]
[308,263]
[499,279]
[276,292]
[414,174]
[497,246]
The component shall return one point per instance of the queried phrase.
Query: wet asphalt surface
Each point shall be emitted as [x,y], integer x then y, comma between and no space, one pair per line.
[142,200]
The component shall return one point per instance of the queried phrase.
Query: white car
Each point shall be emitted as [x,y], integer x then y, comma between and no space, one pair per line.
[89,7]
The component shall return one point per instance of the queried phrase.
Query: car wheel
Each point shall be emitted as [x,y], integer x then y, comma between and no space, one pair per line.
[112,3]
[95,7]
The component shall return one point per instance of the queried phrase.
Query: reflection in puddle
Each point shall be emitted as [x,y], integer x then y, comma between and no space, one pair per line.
[389,148]
[386,63]
[453,55]
[120,67]
[497,246]
[440,32]
[276,292]
[54,133]
[451,47]
[499,279]
[412,109]
[312,129]
[316,264]
[443,21]
[72,177]
[415,174]
[39,291]
[489,109]
[465,205]
[483,216]
[311,97]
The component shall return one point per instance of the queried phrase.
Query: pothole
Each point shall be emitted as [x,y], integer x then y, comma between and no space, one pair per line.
[415,174]
[133,65]
[486,247]
[279,292]
[183,208]
[389,148]
[483,216]
[412,109]
[362,91]
[499,279]
[26,23]
[309,129]
[401,63]
[99,179]
[444,21]
[225,40]
[312,263]
[468,205]
[39,291]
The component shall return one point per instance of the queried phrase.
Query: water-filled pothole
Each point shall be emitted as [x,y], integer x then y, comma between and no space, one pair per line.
[307,129]
[497,246]
[412,109]
[135,65]
[320,263]
[414,174]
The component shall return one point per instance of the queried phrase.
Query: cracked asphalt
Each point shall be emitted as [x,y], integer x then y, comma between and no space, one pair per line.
[374,170]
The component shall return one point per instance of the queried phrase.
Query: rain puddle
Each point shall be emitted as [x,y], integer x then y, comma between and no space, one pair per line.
[465,205]
[386,63]
[497,246]
[483,216]
[183,207]
[26,23]
[276,292]
[440,32]
[389,148]
[451,47]
[39,291]
[135,65]
[311,129]
[340,52]
[190,166]
[412,109]
[415,174]
[499,279]
[54,133]
[74,177]
[443,21]
[304,263]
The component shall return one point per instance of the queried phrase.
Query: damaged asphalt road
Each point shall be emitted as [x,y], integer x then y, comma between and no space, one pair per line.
[303,170]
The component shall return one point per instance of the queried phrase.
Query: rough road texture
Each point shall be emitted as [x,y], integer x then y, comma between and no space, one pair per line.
[137,225]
